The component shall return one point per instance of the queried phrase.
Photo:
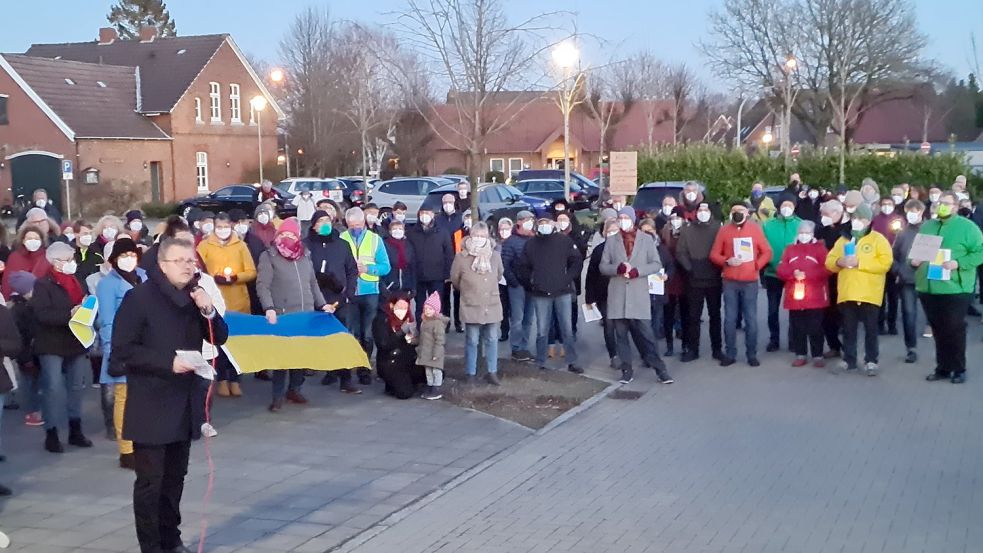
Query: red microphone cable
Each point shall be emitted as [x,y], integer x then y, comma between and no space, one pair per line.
[208,449]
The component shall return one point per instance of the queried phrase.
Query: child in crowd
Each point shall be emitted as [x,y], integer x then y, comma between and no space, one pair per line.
[430,351]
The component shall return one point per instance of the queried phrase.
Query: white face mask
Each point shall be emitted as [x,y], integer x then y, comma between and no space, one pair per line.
[70,236]
[887,209]
[703,216]
[109,233]
[787,211]
[69,268]
[505,233]
[85,240]
[676,222]
[479,241]
[934,197]
[425,219]
[449,208]
[897,199]
[224,233]
[618,205]
[242,229]
[805,238]
[399,216]
[32,245]
[527,224]
[136,225]
[207,228]
[857,225]
[370,219]
[41,203]
[691,196]
[841,198]
[397,233]
[962,196]
[826,220]
[813,194]
[467,223]
[625,224]
[851,209]
[400,313]
[667,210]
[913,217]
[564,225]
[127,264]
[263,218]
[546,228]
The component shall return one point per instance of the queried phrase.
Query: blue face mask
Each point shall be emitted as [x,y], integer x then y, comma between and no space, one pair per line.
[757,193]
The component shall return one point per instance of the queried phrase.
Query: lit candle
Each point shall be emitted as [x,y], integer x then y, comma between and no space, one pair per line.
[227,272]
[800,290]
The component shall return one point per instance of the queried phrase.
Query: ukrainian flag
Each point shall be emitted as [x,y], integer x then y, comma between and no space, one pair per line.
[308,340]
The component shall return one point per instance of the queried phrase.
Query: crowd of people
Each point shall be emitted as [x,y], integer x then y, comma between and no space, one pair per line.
[835,259]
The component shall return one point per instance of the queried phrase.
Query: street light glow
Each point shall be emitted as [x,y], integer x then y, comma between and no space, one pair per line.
[566,55]
[276,75]
[258,103]
[767,138]
[791,63]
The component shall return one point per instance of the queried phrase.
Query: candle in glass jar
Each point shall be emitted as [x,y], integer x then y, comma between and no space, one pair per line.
[227,272]
[800,290]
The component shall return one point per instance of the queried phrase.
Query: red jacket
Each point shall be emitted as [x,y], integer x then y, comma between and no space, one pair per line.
[811,260]
[723,249]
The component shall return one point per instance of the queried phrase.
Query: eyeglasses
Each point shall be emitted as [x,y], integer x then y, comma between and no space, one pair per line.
[180,261]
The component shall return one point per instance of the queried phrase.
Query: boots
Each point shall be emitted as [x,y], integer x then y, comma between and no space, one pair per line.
[222,388]
[126,461]
[235,390]
[51,441]
[75,435]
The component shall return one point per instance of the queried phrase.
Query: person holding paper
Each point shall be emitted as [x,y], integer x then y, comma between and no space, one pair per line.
[946,301]
[803,270]
[741,251]
[914,213]
[861,263]
[780,232]
[165,404]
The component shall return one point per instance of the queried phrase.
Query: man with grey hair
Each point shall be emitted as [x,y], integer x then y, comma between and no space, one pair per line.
[373,262]
[40,200]
[831,227]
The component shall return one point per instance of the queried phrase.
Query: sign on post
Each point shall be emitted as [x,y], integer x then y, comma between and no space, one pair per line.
[67,171]
[67,175]
[926,148]
[624,173]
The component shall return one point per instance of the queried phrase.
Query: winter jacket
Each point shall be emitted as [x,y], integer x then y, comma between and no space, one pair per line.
[901,248]
[810,259]
[397,279]
[11,345]
[448,224]
[287,286]
[110,292]
[334,267]
[53,309]
[628,296]
[235,255]
[780,232]
[370,249]
[88,260]
[153,322]
[964,238]
[433,253]
[27,325]
[889,225]
[596,284]
[723,249]
[395,360]
[670,241]
[511,252]
[430,349]
[807,209]
[762,209]
[693,254]
[864,283]
[22,260]
[549,264]
[479,293]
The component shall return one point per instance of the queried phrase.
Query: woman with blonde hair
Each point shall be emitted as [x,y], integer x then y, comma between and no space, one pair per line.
[107,229]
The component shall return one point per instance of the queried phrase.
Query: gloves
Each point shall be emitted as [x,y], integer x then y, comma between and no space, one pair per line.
[622,268]
[407,328]
[226,280]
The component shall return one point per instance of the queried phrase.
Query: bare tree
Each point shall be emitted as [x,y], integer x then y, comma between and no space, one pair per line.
[651,88]
[611,93]
[680,84]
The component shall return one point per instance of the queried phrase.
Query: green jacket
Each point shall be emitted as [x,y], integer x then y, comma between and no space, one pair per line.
[780,232]
[964,238]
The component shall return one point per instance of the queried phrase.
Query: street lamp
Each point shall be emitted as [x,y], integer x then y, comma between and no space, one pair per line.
[566,56]
[789,67]
[276,75]
[258,104]
[767,138]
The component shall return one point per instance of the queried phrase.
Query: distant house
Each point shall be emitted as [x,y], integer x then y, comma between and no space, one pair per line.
[160,118]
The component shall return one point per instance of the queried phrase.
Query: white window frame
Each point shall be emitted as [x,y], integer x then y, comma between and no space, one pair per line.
[198,110]
[201,170]
[511,170]
[235,108]
[215,101]
[491,164]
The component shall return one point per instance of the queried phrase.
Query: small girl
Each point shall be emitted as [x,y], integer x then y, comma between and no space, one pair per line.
[430,351]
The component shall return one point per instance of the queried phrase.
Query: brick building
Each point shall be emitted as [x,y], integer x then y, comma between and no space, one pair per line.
[148,119]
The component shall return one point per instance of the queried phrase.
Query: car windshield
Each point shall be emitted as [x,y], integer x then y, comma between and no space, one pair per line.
[650,199]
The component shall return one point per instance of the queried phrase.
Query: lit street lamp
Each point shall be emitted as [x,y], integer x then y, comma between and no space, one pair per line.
[789,67]
[258,103]
[566,56]
[276,75]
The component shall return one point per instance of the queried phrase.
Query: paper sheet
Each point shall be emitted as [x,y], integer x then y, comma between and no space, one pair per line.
[925,247]
[83,321]
[657,286]
[935,270]
[744,249]
[591,313]
[194,358]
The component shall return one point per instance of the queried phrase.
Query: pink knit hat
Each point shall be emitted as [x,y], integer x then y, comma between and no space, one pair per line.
[433,301]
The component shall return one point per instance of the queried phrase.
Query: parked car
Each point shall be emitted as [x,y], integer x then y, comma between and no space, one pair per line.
[409,190]
[592,188]
[358,188]
[234,196]
[648,199]
[553,189]
[332,189]
[495,200]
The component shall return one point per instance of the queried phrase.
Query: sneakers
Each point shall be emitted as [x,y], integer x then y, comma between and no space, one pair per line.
[432,393]
[754,362]
[800,361]
[928,332]
[818,362]
[575,369]
[627,375]
[222,388]
[521,355]
[33,419]
[492,379]
[207,430]
[664,377]
[727,361]
[871,369]
[293,396]
[912,357]
[842,366]
[958,378]
[937,377]
[348,388]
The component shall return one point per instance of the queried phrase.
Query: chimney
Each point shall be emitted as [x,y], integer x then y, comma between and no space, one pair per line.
[107,35]
[148,33]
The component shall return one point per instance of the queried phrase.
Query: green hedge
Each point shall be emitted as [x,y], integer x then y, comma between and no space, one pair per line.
[159,210]
[729,174]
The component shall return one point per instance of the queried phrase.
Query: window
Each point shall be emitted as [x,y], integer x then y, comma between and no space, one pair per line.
[234,103]
[201,170]
[197,110]
[497,164]
[515,165]
[402,188]
[215,102]
[3,110]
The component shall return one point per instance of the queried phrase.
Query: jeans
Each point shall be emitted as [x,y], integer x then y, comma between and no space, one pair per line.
[641,333]
[523,315]
[743,297]
[806,330]
[62,384]
[656,303]
[774,288]
[909,315]
[488,335]
[947,315]
[856,313]
[361,311]
[545,307]
[423,290]
[157,494]
[29,392]
[695,297]
[280,382]
[887,319]
[832,319]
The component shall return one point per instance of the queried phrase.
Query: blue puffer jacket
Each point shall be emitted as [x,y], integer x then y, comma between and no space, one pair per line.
[511,252]
[110,292]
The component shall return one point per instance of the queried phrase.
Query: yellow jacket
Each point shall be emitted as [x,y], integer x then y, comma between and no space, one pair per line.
[234,255]
[865,282]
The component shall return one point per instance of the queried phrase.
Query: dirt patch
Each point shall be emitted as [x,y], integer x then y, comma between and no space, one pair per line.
[527,396]
[625,394]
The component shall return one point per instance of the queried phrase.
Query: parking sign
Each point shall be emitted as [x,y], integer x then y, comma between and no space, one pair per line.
[67,171]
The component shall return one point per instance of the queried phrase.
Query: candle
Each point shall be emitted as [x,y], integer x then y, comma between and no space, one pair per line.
[800,290]
[227,272]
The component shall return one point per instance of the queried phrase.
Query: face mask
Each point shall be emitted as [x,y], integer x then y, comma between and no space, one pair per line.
[41,203]
[241,229]
[887,209]
[70,236]
[897,199]
[32,245]
[527,225]
[703,216]
[559,209]
[399,216]
[223,233]
[449,209]
[324,229]
[691,196]
[505,233]
[913,217]
[85,240]
[617,206]
[479,241]
[667,210]
[467,223]
[787,212]
[802,194]
[737,217]
[370,219]
[826,220]
[612,233]
[757,193]
[625,224]
[546,228]
[857,225]
[207,228]
[70,267]
[127,264]
[962,196]
[263,218]
[944,211]
[841,198]
[425,219]
[676,223]
[136,225]
[805,238]
[109,233]
[851,209]
[400,313]
[934,197]
[564,225]
[398,233]
[813,194]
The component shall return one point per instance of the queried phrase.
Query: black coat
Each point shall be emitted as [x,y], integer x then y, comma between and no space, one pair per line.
[396,360]
[596,284]
[155,320]
[549,265]
[693,254]
[334,267]
[10,345]
[397,280]
[434,252]
[148,261]
[52,310]
[27,327]
[87,264]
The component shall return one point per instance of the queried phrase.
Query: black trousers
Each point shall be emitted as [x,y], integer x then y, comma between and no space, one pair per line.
[857,313]
[695,298]
[774,288]
[832,319]
[675,310]
[641,333]
[909,315]
[610,338]
[503,296]
[888,317]
[157,494]
[806,328]
[946,314]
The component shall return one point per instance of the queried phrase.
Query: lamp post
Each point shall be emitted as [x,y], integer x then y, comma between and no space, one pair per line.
[566,56]
[258,103]
[276,77]
[789,67]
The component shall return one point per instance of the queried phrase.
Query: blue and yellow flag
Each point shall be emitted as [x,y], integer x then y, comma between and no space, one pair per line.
[308,340]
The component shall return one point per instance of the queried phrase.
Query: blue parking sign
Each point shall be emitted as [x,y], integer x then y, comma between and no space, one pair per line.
[67,171]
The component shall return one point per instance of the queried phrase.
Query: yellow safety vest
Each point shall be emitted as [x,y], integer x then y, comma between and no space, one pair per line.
[364,252]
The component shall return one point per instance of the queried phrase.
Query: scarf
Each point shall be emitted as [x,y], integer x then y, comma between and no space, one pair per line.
[629,240]
[482,256]
[70,284]
[290,249]
[400,247]
[264,232]
[131,277]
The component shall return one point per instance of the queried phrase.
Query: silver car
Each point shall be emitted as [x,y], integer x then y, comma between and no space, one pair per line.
[409,190]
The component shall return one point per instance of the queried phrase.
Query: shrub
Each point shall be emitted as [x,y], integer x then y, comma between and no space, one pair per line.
[159,210]
[454,171]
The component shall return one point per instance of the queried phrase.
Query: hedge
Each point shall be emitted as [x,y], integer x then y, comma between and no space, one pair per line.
[728,174]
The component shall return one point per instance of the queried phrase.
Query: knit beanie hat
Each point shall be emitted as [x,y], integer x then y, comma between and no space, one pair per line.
[433,300]
[290,225]
[863,212]
[314,218]
[607,213]
[133,214]
[524,214]
[263,207]
[120,246]
[629,212]
[22,282]
[679,211]
[853,198]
